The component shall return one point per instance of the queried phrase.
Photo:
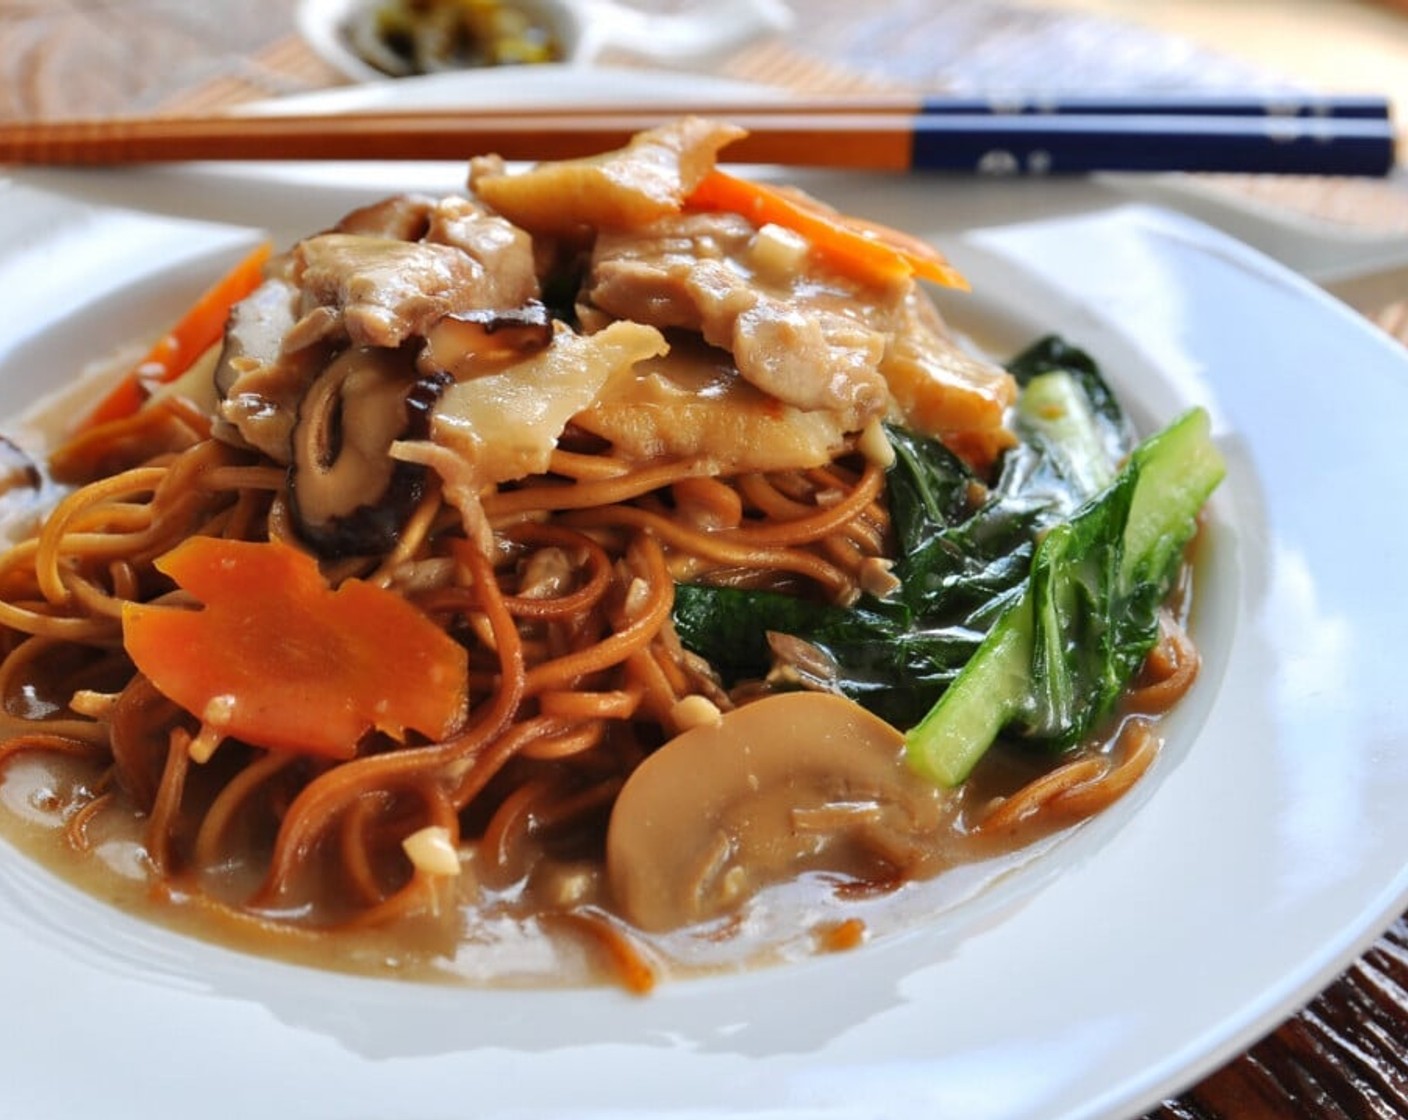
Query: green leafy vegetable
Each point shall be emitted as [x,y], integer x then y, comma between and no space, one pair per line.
[1061,654]
[1057,643]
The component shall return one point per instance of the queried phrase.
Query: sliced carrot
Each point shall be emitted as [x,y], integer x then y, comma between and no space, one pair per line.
[864,250]
[279,659]
[199,329]
[167,425]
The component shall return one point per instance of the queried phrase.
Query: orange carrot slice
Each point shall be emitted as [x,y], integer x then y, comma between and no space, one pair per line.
[864,250]
[199,329]
[279,659]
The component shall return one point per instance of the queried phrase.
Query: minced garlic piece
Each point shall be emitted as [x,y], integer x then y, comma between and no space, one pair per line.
[432,852]
[93,704]
[218,714]
[876,446]
[695,711]
[877,578]
[778,253]
[637,598]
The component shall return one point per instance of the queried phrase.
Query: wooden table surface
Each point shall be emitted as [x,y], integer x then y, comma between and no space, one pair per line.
[1345,1055]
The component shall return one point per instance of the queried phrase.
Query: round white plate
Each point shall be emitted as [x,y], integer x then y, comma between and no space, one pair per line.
[1259,857]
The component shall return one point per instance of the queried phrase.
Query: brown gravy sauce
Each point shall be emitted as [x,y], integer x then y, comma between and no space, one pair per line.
[552,924]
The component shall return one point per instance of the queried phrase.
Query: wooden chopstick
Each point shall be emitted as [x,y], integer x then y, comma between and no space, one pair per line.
[1271,104]
[1072,142]
[862,140]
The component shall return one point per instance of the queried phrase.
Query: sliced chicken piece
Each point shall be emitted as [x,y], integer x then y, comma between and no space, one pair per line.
[387,290]
[805,337]
[623,189]
[404,217]
[941,389]
[504,426]
[501,249]
[692,404]
[796,341]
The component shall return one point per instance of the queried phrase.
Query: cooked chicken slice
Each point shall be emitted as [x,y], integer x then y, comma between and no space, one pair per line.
[673,271]
[941,389]
[404,217]
[801,335]
[812,359]
[795,341]
[692,404]
[504,425]
[387,290]
[623,189]
[501,249]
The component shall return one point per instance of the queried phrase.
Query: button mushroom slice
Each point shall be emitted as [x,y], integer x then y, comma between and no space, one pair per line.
[471,343]
[347,494]
[792,783]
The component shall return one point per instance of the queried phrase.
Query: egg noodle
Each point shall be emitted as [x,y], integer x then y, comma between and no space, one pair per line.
[574,673]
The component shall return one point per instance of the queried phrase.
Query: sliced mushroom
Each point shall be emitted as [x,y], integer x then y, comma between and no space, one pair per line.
[17,469]
[260,379]
[256,330]
[21,486]
[799,664]
[348,496]
[471,343]
[791,783]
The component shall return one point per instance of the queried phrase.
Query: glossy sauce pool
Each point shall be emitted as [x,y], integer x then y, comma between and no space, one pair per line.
[550,926]
[547,920]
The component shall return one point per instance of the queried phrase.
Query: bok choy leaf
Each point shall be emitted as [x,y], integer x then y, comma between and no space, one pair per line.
[1059,657]
[1056,628]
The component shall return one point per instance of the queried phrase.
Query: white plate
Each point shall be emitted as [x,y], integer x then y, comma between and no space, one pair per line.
[1261,855]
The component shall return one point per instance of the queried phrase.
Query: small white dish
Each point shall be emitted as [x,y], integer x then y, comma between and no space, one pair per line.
[583,31]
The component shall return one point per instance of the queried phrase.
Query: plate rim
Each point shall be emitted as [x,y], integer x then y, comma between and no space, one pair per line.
[1332,958]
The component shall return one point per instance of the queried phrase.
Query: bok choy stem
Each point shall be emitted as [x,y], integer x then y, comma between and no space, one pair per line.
[1058,658]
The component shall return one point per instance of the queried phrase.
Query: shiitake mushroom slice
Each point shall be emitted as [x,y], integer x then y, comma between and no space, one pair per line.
[347,495]
[470,343]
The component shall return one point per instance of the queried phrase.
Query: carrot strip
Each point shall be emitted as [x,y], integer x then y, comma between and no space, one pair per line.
[865,250]
[198,329]
[279,659]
